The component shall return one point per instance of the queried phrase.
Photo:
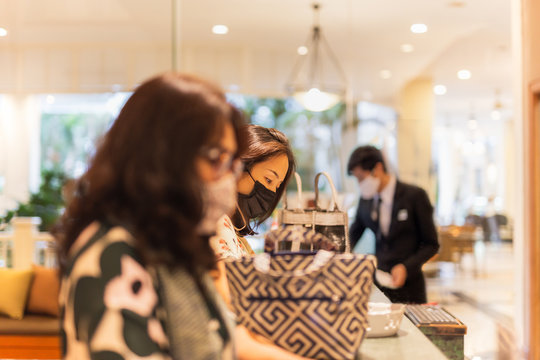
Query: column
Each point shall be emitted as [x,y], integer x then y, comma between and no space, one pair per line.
[20,147]
[414,133]
[24,231]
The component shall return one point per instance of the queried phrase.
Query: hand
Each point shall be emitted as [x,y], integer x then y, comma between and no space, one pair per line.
[399,275]
[254,347]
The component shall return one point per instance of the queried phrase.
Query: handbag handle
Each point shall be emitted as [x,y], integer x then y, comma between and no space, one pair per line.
[299,193]
[261,263]
[334,192]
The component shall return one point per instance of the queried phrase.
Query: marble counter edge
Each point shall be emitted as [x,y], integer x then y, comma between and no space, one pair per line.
[408,344]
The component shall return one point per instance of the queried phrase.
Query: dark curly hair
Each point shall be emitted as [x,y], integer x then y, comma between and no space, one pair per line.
[143,175]
[263,144]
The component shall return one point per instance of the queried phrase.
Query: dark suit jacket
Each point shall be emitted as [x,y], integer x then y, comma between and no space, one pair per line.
[412,238]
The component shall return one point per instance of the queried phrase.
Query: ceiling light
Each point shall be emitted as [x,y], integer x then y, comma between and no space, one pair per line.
[116,88]
[220,29]
[3,32]
[308,84]
[439,89]
[496,115]
[479,148]
[419,28]
[464,74]
[472,124]
[407,48]
[316,100]
[50,99]
[302,50]
[456,3]
[385,74]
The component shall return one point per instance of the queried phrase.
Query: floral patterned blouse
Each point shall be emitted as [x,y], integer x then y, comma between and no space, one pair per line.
[109,301]
[227,243]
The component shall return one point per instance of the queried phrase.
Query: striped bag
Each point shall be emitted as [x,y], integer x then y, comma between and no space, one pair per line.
[314,305]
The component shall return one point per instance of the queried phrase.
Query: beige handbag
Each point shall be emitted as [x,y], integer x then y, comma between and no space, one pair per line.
[332,222]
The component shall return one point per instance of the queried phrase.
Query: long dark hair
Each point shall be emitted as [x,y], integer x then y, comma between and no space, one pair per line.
[143,175]
[263,144]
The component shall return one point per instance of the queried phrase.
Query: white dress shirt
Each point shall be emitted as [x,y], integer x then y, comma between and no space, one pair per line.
[387,200]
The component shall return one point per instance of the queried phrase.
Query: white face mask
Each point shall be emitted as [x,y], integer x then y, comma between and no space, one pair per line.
[369,187]
[219,198]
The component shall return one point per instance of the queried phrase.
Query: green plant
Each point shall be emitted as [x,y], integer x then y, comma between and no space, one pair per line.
[47,203]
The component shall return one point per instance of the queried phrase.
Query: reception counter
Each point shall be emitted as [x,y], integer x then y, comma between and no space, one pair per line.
[408,344]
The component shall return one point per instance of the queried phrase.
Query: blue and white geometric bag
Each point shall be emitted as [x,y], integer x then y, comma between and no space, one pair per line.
[314,305]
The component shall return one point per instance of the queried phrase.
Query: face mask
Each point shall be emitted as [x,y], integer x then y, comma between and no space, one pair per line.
[257,202]
[219,198]
[369,187]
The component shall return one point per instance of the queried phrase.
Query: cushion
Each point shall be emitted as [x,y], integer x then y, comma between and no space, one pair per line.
[43,298]
[14,287]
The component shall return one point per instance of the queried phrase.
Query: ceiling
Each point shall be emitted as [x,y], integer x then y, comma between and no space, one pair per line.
[365,35]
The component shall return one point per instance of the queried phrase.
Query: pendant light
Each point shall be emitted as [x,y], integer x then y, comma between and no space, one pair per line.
[496,113]
[317,81]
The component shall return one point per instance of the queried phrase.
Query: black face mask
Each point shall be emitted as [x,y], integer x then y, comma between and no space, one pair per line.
[257,202]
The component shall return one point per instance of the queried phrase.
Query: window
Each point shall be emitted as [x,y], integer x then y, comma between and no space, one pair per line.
[71,125]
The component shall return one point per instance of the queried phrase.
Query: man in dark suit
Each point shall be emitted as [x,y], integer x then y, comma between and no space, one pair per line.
[401,216]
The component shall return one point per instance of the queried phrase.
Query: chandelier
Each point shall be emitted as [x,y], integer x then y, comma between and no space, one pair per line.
[313,79]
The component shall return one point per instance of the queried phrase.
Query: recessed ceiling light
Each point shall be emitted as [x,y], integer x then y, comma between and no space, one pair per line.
[116,87]
[3,32]
[472,124]
[439,89]
[419,28]
[220,29]
[302,50]
[464,74]
[385,74]
[407,48]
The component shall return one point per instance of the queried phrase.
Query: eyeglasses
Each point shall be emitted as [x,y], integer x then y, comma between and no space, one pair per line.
[222,160]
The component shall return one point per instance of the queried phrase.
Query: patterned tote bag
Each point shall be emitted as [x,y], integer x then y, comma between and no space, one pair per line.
[332,222]
[314,305]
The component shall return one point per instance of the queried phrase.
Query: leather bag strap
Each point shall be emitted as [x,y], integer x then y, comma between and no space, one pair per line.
[334,206]
[299,203]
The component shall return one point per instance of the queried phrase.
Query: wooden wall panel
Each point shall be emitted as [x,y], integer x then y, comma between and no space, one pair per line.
[533,209]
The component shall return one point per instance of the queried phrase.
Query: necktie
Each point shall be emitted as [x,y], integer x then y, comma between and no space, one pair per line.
[377,212]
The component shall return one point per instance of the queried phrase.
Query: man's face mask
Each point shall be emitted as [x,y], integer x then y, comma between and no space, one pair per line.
[369,187]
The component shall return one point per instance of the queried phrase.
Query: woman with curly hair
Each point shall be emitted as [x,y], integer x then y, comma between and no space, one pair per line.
[133,243]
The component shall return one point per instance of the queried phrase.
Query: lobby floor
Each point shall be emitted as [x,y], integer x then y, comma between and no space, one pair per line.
[481,294]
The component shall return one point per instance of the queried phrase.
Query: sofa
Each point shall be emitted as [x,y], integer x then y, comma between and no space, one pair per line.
[29,324]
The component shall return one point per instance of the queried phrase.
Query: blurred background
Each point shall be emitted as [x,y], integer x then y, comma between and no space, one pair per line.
[435,84]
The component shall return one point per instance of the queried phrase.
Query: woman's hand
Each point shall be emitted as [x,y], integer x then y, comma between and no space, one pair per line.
[250,346]
[220,281]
